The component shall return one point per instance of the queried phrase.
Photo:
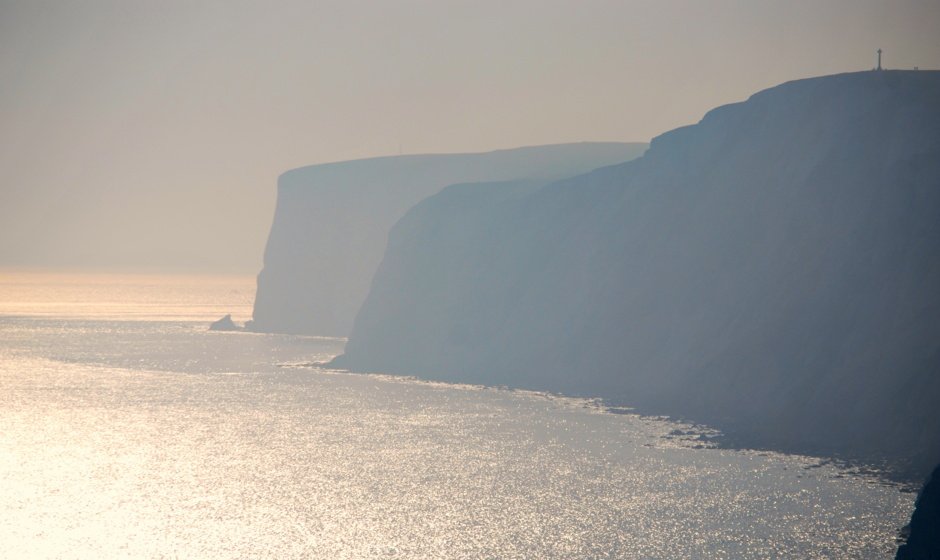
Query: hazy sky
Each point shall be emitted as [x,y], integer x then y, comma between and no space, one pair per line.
[152,133]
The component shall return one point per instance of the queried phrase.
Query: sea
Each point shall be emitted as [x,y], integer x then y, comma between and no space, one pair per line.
[129,430]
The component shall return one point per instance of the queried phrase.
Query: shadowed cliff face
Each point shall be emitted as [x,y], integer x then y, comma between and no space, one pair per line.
[923,538]
[772,270]
[332,222]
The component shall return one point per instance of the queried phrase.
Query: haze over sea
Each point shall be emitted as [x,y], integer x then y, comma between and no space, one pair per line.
[127,430]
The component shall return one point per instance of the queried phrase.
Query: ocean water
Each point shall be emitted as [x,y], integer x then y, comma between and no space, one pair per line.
[127,430]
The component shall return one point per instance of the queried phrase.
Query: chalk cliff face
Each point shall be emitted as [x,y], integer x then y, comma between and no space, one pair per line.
[332,221]
[773,270]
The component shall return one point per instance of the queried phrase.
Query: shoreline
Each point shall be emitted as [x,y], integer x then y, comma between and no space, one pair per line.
[893,471]
[887,471]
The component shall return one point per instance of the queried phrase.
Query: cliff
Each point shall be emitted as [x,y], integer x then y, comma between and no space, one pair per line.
[332,220]
[923,533]
[772,270]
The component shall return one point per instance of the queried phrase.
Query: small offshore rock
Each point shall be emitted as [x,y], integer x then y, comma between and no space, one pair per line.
[224,324]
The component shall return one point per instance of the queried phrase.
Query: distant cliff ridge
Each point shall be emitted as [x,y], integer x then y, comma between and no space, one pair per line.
[332,222]
[773,270]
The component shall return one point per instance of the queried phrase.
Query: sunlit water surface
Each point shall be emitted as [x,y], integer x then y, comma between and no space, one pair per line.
[128,430]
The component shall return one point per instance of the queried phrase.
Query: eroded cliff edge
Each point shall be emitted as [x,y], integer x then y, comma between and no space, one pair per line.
[772,270]
[922,540]
[332,221]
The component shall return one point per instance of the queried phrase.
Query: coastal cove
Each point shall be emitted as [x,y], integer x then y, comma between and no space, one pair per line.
[397,280]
